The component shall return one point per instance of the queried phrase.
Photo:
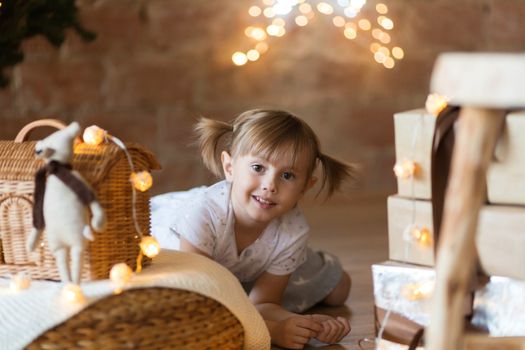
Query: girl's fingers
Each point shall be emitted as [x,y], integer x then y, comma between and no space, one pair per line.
[310,324]
[346,326]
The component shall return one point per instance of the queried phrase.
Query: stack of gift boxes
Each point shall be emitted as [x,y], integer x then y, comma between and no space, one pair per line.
[403,285]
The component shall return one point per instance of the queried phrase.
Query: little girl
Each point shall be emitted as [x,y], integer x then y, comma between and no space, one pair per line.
[251,223]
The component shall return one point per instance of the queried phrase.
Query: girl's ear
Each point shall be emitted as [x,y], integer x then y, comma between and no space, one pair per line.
[227,165]
[310,183]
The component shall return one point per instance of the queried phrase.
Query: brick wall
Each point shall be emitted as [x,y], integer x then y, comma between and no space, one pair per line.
[159,64]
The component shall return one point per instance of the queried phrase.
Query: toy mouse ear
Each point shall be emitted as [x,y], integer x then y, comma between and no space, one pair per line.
[74,128]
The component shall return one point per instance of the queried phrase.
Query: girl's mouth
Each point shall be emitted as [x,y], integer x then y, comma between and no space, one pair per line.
[265,203]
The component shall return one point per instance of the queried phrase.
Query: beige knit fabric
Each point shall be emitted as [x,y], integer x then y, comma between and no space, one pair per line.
[26,314]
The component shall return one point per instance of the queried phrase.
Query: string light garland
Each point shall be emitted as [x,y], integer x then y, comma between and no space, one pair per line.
[19,282]
[273,18]
[141,181]
[435,103]
[120,274]
[405,169]
[72,293]
[417,234]
[418,291]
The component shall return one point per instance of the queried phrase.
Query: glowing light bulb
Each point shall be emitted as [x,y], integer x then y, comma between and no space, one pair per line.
[253,55]
[404,169]
[418,291]
[142,180]
[279,22]
[254,11]
[376,33]
[261,47]
[398,52]
[380,58]
[358,4]
[149,246]
[435,103]
[94,135]
[338,21]
[269,12]
[301,20]
[19,282]
[239,58]
[381,8]
[273,30]
[350,33]
[305,8]
[389,63]
[385,22]
[325,8]
[374,47]
[258,34]
[364,24]
[384,38]
[120,274]
[72,293]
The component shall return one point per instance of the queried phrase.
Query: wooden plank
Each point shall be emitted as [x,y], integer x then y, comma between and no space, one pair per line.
[505,175]
[481,80]
[474,147]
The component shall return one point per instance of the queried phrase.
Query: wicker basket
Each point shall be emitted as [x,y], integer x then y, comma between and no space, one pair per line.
[149,318]
[107,170]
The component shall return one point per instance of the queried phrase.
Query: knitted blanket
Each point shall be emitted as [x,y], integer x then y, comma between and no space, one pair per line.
[26,314]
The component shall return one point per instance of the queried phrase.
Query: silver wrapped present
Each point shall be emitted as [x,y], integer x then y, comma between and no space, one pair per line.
[404,289]
[499,307]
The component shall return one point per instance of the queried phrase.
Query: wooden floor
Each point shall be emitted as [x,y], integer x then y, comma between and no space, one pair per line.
[356,231]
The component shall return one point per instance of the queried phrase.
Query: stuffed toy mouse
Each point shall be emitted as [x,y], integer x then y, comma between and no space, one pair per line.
[62,204]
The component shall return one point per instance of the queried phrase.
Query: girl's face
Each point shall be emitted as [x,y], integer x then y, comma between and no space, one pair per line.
[263,190]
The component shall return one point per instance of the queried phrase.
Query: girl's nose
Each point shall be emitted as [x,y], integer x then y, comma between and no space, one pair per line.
[269,185]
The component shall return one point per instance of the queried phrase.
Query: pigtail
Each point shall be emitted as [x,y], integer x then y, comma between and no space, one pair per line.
[335,173]
[210,133]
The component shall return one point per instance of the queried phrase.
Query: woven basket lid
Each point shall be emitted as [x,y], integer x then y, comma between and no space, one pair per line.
[18,161]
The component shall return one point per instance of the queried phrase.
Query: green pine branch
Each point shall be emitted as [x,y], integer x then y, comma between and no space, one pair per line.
[23,19]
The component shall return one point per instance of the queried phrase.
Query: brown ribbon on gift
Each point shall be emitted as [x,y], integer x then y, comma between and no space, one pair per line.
[399,329]
[441,156]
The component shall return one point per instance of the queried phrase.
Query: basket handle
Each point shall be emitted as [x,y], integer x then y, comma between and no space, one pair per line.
[26,130]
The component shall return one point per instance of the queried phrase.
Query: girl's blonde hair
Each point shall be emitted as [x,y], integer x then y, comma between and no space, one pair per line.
[269,134]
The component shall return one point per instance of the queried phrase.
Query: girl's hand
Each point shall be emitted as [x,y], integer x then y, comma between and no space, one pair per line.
[334,329]
[295,331]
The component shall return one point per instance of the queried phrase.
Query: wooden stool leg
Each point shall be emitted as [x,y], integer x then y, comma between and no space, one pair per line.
[476,138]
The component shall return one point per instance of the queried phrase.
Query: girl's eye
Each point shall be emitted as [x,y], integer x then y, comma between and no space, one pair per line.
[257,168]
[288,176]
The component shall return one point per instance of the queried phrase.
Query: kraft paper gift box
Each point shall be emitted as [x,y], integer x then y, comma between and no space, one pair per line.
[403,244]
[414,131]
[506,173]
[500,241]
[499,307]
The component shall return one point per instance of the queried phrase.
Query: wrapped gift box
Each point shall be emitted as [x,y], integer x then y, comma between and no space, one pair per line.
[500,241]
[505,175]
[404,289]
[403,243]
[383,344]
[414,131]
[499,307]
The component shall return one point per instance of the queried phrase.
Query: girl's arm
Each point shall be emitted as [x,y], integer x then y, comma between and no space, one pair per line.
[288,330]
[186,246]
